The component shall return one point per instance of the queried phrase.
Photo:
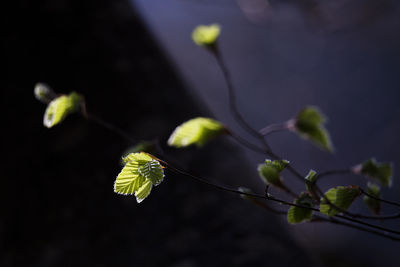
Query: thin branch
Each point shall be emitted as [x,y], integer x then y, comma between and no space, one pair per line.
[123,134]
[110,127]
[350,225]
[268,197]
[232,100]
[276,127]
[333,172]
[380,199]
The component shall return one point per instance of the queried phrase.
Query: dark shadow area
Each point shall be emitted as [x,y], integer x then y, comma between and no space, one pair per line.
[58,205]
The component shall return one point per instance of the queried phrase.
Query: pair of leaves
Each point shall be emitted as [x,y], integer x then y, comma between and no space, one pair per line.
[197,131]
[341,197]
[380,171]
[140,173]
[60,107]
[206,35]
[270,172]
[309,124]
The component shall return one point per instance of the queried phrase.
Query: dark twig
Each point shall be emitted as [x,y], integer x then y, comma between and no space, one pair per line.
[232,100]
[380,199]
[276,127]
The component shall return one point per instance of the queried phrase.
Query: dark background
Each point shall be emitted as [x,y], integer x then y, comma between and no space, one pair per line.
[58,206]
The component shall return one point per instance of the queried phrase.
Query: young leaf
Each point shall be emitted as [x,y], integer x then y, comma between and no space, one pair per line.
[270,172]
[196,131]
[59,108]
[310,185]
[381,171]
[143,146]
[309,124]
[153,171]
[341,196]
[373,204]
[204,35]
[297,214]
[138,176]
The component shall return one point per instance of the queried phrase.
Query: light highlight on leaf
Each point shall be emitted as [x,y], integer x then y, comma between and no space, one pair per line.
[341,196]
[196,131]
[381,171]
[310,125]
[59,108]
[270,172]
[138,176]
[373,204]
[206,35]
[297,214]
[43,93]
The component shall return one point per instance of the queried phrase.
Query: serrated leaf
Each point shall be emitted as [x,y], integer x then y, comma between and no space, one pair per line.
[143,191]
[381,171]
[143,146]
[341,196]
[59,108]
[206,35]
[297,214]
[196,131]
[373,204]
[310,125]
[270,172]
[137,157]
[153,171]
[138,176]
[279,165]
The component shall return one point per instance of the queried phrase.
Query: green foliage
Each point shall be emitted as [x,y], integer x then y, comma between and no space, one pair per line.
[270,172]
[143,146]
[373,204]
[59,108]
[196,131]
[310,184]
[206,35]
[297,214]
[341,196]
[138,176]
[381,171]
[310,125]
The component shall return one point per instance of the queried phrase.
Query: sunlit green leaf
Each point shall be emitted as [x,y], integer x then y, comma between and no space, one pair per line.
[341,196]
[59,108]
[153,171]
[373,204]
[310,125]
[138,176]
[206,35]
[381,171]
[143,191]
[143,146]
[297,214]
[196,131]
[270,172]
